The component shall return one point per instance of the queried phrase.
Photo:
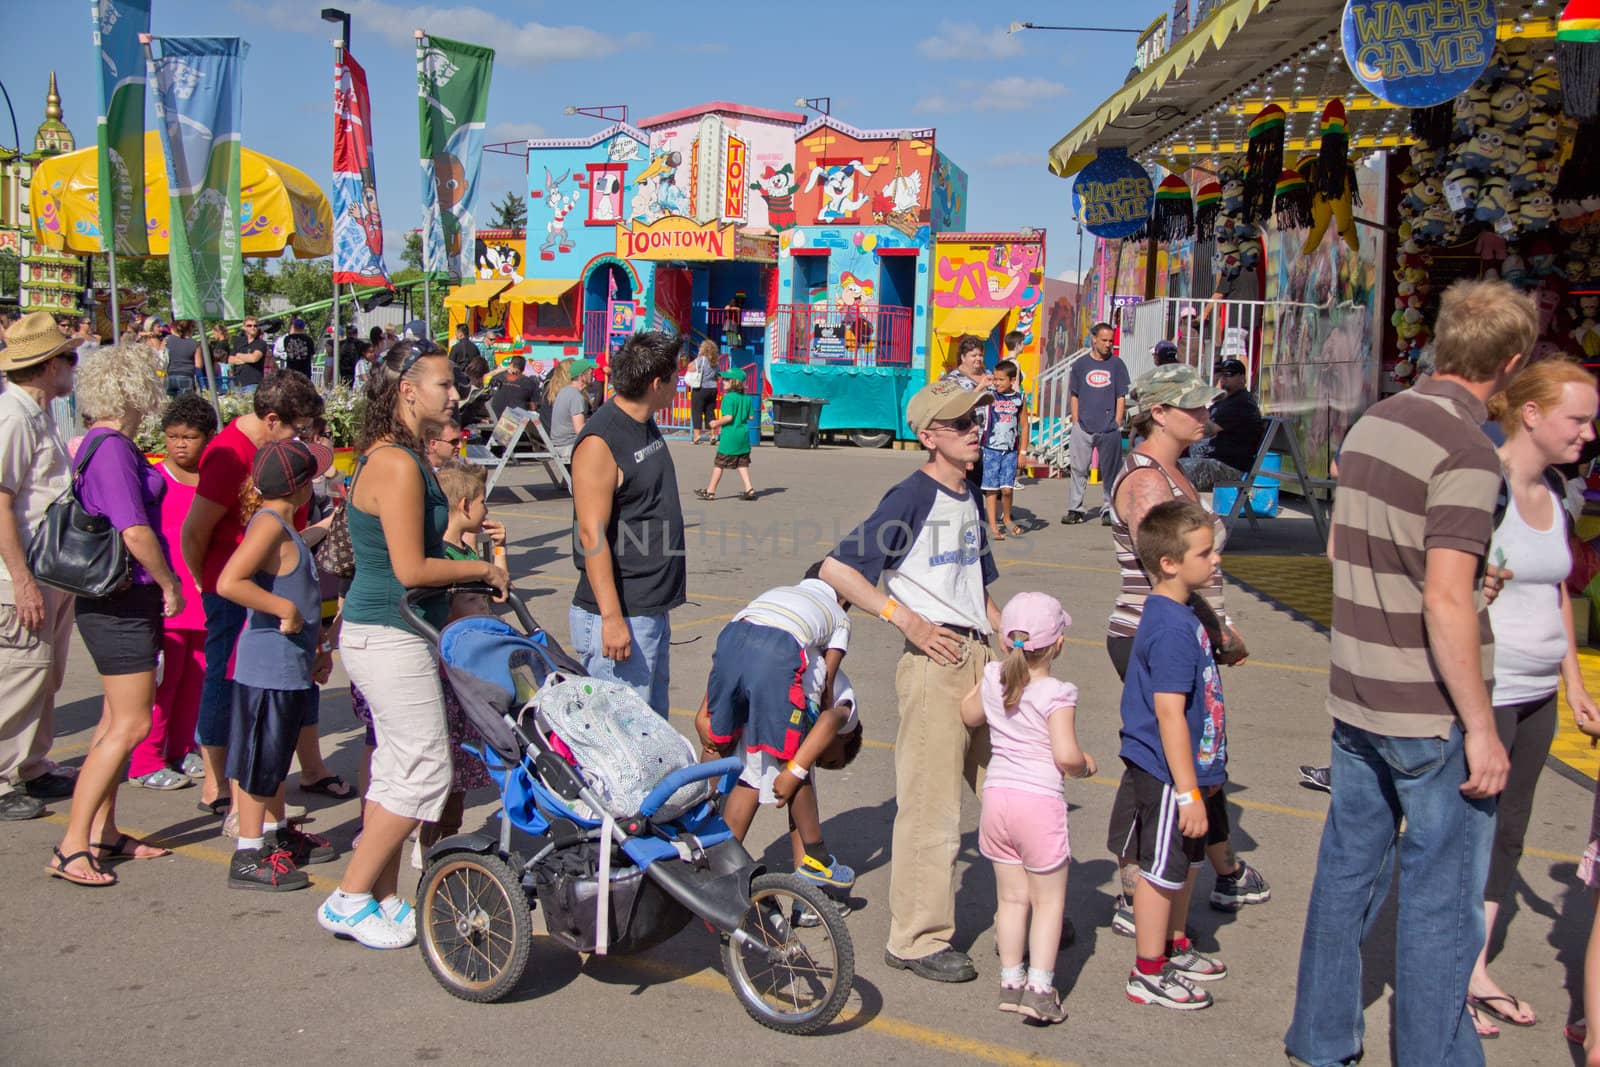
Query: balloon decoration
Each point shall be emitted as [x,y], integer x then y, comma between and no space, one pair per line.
[1113,195]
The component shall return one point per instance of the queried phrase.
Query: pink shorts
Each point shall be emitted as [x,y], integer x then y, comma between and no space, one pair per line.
[1024,828]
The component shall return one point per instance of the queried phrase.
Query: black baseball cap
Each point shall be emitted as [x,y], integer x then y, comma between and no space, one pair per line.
[1232,366]
[283,468]
[1165,351]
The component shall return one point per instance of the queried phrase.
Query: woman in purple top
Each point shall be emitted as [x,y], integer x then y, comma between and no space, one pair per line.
[117,387]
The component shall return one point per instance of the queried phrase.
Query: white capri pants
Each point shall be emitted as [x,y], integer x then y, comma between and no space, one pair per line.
[398,673]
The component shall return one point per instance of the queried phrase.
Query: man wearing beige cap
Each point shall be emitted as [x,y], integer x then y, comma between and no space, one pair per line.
[928,543]
[35,621]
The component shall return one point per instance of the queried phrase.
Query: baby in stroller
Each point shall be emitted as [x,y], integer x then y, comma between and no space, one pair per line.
[611,828]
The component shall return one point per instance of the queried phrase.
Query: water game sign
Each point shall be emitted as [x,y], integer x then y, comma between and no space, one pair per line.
[675,237]
[1113,195]
[1418,53]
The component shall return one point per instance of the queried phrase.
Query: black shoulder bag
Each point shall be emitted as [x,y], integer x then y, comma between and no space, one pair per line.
[76,551]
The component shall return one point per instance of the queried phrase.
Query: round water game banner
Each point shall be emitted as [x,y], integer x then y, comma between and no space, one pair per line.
[1418,53]
[1113,195]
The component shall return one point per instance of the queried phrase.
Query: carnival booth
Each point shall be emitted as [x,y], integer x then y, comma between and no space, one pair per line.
[1294,182]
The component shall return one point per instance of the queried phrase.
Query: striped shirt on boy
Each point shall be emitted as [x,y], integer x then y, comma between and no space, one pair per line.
[1415,473]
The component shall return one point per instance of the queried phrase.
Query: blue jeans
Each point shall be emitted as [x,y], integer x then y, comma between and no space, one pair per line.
[645,669]
[224,621]
[1443,859]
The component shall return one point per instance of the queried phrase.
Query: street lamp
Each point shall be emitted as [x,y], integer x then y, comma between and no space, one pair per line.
[1018,27]
[333,14]
[822,105]
[606,112]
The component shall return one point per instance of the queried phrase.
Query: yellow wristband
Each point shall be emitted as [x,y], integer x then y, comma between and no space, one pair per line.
[888,610]
[1185,799]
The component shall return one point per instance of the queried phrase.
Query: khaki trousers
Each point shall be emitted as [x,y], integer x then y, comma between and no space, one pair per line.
[934,753]
[32,666]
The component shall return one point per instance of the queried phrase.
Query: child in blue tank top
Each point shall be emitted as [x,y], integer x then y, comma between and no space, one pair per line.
[278,662]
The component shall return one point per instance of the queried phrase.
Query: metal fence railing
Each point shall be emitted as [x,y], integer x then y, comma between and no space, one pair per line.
[860,335]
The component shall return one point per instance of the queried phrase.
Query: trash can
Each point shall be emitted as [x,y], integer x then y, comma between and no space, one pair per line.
[796,421]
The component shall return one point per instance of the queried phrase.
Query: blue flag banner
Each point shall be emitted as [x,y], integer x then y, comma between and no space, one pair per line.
[119,131]
[199,101]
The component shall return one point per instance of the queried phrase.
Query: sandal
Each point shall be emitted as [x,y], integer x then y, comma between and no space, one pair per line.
[58,869]
[1576,1032]
[1487,1004]
[1477,1023]
[165,779]
[997,535]
[216,808]
[329,787]
[1017,530]
[748,494]
[703,495]
[118,849]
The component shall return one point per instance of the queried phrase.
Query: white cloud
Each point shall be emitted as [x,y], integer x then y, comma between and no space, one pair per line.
[1066,275]
[1014,93]
[1015,160]
[513,131]
[521,43]
[966,40]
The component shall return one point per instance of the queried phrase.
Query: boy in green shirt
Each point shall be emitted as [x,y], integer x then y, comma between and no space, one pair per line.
[733,437]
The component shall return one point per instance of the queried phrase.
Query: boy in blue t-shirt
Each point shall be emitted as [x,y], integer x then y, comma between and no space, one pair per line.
[1005,437]
[1174,746]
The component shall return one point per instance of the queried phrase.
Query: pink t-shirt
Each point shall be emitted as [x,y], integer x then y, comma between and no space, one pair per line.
[174,509]
[1020,739]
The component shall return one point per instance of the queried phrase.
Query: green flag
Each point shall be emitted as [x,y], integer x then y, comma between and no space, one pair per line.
[452,101]
[199,98]
[120,129]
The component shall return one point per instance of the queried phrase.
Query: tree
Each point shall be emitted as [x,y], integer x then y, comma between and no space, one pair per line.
[258,285]
[511,213]
[307,281]
[411,256]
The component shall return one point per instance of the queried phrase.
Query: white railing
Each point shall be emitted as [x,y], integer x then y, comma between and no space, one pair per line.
[1050,432]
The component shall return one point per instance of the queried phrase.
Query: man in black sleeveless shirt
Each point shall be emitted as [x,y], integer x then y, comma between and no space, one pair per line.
[627,538]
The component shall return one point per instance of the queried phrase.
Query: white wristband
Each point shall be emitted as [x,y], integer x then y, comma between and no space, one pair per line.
[798,771]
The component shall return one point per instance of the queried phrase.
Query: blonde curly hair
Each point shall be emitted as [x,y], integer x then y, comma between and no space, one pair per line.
[119,382]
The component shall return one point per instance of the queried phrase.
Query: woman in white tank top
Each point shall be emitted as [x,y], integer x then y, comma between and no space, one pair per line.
[1547,413]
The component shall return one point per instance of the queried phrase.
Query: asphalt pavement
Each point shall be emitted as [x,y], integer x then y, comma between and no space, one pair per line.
[171,966]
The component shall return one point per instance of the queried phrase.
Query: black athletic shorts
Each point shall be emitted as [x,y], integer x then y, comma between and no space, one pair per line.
[1144,826]
[262,731]
[122,631]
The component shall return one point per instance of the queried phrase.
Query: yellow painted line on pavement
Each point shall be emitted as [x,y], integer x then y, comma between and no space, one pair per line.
[889,1026]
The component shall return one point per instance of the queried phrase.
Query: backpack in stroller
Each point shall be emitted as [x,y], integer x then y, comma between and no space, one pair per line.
[609,825]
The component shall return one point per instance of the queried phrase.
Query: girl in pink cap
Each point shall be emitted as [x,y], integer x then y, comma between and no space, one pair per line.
[1024,826]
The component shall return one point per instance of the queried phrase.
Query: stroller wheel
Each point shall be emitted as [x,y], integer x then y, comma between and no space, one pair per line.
[474,925]
[792,975]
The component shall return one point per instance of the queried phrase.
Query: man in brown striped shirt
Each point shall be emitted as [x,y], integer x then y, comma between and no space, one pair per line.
[1409,690]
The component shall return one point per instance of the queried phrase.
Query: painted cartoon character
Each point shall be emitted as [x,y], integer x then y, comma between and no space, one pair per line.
[561,204]
[499,261]
[854,296]
[839,199]
[657,192]
[777,189]
[605,199]
[1012,268]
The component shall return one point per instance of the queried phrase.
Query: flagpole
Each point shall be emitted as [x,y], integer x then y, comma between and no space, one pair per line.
[145,39]
[335,334]
[338,65]
[108,240]
[427,272]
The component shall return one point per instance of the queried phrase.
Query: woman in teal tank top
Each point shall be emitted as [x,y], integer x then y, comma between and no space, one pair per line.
[397,516]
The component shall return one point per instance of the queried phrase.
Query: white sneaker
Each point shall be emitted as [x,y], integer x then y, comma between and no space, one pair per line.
[402,914]
[366,925]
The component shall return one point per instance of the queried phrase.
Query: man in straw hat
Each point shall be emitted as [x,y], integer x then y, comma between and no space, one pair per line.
[928,542]
[35,622]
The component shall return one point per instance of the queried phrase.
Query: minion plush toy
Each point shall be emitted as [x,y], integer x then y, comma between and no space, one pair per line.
[1509,107]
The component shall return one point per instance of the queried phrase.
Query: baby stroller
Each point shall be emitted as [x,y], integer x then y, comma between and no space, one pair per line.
[624,838]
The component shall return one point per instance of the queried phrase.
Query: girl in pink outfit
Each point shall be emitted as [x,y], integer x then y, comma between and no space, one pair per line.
[1023,831]
[168,758]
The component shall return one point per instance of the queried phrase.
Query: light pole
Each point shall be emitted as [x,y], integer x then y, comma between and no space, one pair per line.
[1018,27]
[822,105]
[604,112]
[14,134]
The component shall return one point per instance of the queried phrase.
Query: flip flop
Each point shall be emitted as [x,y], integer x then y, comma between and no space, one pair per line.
[998,535]
[1577,1032]
[118,849]
[59,869]
[216,808]
[1488,1004]
[326,787]
[1017,530]
[1472,1010]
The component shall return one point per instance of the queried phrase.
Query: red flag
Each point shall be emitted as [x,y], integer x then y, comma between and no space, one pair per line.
[357,224]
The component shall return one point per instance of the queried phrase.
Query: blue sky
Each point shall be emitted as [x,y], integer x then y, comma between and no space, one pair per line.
[998,101]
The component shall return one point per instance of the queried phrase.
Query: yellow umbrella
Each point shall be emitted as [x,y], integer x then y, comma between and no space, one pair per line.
[279,205]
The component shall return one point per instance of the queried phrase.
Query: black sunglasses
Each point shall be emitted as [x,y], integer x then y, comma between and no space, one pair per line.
[960,425]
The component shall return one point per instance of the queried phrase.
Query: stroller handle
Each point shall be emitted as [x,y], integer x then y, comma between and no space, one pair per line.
[681,777]
[413,597]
